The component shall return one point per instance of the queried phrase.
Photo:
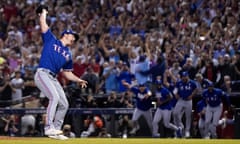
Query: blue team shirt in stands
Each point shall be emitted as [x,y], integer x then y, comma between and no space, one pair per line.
[110,81]
[142,104]
[163,94]
[142,66]
[185,89]
[124,75]
[214,98]
[54,55]
[115,29]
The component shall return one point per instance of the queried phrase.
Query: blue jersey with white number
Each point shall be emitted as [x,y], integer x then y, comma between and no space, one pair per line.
[185,89]
[214,97]
[141,102]
[54,55]
[163,94]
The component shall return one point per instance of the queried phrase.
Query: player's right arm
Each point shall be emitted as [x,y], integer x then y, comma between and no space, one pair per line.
[148,94]
[43,21]
[72,77]
[126,84]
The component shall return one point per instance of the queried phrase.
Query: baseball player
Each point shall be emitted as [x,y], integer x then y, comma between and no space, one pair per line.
[213,97]
[201,110]
[143,105]
[55,56]
[164,97]
[184,91]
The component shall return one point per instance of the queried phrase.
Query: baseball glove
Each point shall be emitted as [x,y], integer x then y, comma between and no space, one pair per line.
[40,9]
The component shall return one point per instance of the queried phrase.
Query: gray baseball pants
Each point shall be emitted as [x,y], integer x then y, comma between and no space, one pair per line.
[58,103]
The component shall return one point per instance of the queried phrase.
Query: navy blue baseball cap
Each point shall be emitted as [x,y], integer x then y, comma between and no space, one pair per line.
[184,74]
[68,31]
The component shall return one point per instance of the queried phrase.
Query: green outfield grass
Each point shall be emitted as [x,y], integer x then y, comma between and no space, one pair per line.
[7,140]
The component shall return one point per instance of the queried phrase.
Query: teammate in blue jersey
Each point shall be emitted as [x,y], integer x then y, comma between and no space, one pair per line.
[213,97]
[169,81]
[55,57]
[143,105]
[201,110]
[184,91]
[164,97]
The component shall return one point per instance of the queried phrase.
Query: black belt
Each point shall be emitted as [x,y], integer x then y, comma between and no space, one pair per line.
[186,99]
[48,71]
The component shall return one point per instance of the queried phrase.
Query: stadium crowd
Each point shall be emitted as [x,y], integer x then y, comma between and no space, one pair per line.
[133,41]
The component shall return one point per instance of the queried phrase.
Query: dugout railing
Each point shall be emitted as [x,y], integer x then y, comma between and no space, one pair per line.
[111,112]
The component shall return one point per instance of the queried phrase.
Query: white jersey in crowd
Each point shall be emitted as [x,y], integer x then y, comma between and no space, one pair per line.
[133,64]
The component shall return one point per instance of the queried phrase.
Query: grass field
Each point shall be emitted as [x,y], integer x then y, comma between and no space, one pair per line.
[8,140]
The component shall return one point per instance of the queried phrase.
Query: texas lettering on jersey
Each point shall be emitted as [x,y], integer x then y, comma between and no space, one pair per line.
[185,87]
[61,51]
[158,95]
[141,96]
[212,98]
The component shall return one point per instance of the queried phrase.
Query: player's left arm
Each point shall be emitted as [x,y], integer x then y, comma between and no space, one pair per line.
[193,94]
[70,76]
[43,20]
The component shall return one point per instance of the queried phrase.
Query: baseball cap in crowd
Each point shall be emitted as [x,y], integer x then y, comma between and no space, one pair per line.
[2,60]
[184,74]
[68,31]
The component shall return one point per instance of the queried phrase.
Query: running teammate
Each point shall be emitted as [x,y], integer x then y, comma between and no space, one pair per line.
[143,105]
[164,97]
[213,97]
[184,91]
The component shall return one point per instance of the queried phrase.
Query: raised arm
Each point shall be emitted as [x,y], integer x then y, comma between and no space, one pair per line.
[42,11]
